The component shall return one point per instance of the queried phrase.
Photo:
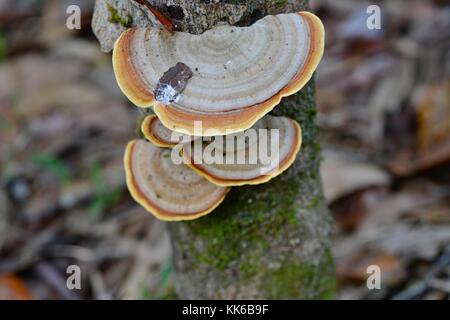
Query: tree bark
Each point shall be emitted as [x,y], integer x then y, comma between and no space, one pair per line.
[269,241]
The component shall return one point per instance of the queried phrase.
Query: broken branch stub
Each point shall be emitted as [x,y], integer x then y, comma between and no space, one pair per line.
[161,17]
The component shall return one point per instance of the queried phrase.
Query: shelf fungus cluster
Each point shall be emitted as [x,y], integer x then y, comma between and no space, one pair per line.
[211,95]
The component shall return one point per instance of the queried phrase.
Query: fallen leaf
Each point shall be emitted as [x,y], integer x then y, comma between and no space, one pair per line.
[348,213]
[433,115]
[13,288]
[343,176]
[353,268]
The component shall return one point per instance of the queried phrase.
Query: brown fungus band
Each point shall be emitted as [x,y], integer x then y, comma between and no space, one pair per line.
[239,73]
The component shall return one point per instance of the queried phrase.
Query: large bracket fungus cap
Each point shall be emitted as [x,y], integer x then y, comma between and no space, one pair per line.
[286,143]
[239,73]
[170,192]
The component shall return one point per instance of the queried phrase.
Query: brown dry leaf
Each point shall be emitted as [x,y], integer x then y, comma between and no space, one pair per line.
[431,103]
[112,117]
[433,133]
[348,212]
[399,127]
[436,213]
[343,176]
[64,115]
[353,268]
[409,242]
[33,72]
[390,208]
[65,96]
[407,163]
[13,288]
[433,114]
[385,227]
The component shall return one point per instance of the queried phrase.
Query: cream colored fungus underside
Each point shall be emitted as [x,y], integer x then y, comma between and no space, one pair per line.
[174,188]
[287,137]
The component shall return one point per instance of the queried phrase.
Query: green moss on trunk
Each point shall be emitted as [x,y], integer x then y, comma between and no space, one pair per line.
[114,17]
[264,241]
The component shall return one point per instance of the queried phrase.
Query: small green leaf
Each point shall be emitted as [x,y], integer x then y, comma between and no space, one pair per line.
[3,46]
[53,164]
[104,197]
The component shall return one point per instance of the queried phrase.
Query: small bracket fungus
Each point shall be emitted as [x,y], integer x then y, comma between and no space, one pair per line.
[251,157]
[239,73]
[168,191]
[160,136]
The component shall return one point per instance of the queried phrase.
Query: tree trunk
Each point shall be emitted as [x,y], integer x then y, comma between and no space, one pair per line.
[268,241]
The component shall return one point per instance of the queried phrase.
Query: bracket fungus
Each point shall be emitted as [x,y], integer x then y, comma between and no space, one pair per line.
[211,93]
[256,155]
[160,136]
[170,192]
[239,73]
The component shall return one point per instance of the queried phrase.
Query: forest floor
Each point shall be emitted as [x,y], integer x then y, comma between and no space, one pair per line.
[383,100]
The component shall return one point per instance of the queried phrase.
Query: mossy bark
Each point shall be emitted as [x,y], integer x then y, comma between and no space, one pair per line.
[269,241]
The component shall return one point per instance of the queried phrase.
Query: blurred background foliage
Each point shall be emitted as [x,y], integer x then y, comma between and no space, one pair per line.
[384,116]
